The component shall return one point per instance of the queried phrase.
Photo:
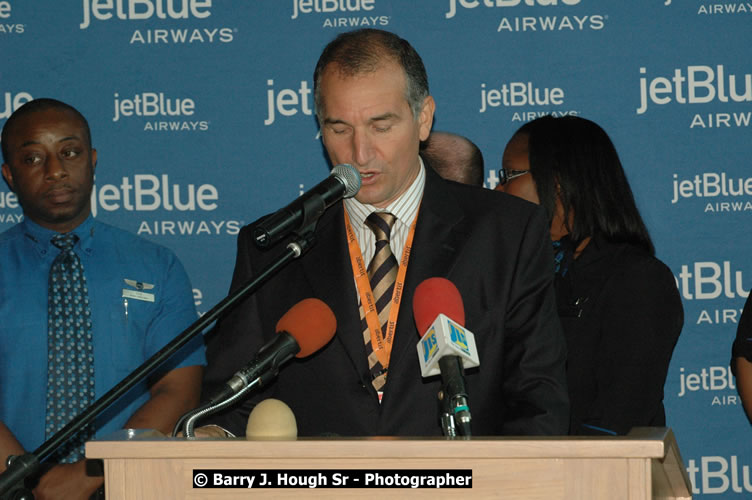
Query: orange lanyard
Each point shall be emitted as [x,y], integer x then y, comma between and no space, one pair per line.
[381,341]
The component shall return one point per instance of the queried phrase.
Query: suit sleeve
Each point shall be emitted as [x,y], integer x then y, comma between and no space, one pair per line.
[534,386]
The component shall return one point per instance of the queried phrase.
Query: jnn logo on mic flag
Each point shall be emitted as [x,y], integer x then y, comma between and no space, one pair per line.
[445,338]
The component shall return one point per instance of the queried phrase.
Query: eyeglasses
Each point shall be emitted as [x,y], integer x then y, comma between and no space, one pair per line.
[507,175]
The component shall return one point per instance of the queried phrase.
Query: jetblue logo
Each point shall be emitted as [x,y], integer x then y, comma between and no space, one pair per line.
[166,111]
[516,94]
[715,475]
[711,184]
[430,344]
[734,192]
[714,378]
[471,4]
[287,102]
[141,10]
[152,10]
[148,193]
[328,6]
[695,84]
[711,280]
[152,104]
[340,13]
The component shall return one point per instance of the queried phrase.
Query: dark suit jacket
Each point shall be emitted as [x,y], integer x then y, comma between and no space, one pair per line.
[742,347]
[620,336]
[494,247]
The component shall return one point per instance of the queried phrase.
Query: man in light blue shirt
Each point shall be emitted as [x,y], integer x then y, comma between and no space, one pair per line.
[139,295]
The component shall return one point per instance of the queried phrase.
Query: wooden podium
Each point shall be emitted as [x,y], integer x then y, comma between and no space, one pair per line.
[643,465]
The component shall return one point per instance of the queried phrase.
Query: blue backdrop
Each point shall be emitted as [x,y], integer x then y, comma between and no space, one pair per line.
[201,112]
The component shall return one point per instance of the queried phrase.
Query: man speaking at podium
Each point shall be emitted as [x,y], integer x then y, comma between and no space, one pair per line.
[407,224]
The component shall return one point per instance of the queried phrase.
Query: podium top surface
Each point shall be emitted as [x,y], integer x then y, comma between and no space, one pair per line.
[648,442]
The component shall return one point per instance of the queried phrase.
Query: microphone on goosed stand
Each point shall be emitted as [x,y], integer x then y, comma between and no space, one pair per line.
[446,348]
[342,182]
[307,327]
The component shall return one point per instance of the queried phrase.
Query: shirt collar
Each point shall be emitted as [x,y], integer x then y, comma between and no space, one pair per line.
[43,236]
[401,208]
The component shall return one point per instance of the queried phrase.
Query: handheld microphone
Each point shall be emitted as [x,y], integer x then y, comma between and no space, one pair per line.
[446,347]
[343,182]
[307,327]
[271,419]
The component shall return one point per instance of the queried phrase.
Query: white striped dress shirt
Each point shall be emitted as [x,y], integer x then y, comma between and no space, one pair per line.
[405,208]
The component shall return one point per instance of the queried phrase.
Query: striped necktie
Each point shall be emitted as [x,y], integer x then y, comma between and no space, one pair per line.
[382,273]
[70,357]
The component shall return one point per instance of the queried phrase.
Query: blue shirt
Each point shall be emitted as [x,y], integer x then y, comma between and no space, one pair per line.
[123,272]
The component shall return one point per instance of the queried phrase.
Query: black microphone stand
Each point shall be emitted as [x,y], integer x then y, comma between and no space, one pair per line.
[454,410]
[25,465]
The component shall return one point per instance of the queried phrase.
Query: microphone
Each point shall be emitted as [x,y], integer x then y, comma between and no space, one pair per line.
[271,418]
[343,182]
[445,348]
[307,327]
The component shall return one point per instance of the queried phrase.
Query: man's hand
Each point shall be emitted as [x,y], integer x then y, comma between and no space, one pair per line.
[209,431]
[172,395]
[67,482]
[9,445]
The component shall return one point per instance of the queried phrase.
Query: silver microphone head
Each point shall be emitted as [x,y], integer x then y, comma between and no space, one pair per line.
[349,176]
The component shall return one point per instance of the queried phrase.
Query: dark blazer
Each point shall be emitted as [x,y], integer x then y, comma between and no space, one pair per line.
[494,247]
[742,346]
[622,316]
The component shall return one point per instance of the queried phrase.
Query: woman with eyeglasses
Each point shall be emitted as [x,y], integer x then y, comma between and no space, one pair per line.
[619,305]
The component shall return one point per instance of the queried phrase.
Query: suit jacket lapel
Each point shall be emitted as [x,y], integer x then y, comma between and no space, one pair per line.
[329,273]
[434,251]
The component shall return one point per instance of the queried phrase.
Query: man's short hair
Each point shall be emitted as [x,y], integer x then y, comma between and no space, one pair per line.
[366,50]
[36,105]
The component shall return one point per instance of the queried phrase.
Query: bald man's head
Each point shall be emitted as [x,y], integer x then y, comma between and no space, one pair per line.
[454,157]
